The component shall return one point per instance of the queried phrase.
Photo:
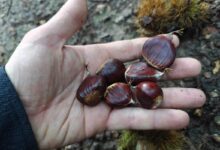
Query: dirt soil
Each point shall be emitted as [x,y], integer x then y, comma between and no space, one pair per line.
[111,20]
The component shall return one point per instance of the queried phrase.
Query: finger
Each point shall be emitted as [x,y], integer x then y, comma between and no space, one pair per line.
[184,67]
[68,19]
[183,98]
[143,119]
[128,49]
[124,50]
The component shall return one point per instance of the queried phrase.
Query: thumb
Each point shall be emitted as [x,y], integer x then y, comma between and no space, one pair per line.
[68,19]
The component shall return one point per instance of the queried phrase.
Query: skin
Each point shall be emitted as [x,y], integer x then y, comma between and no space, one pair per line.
[46,74]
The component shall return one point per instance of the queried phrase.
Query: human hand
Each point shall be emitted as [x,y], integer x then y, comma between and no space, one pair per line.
[46,74]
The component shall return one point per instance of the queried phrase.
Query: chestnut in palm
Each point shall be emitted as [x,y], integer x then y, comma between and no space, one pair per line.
[91,91]
[149,95]
[113,70]
[159,52]
[118,95]
[140,72]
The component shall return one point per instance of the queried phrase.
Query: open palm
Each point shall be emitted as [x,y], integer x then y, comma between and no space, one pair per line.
[46,74]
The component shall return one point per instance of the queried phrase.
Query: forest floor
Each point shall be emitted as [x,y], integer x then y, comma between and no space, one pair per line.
[111,20]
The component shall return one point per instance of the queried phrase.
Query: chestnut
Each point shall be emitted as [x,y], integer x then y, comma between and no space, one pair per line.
[159,52]
[118,95]
[149,95]
[91,91]
[140,72]
[113,70]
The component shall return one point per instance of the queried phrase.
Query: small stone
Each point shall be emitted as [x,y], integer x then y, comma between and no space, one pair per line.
[205,60]
[182,83]
[12,31]
[108,135]
[119,19]
[126,12]
[87,143]
[100,136]
[216,137]
[198,112]
[218,24]
[100,8]
[217,44]
[208,36]
[109,145]
[68,147]
[71,147]
[217,120]
[42,22]
[214,94]
[217,67]
[207,75]
[95,146]
[209,30]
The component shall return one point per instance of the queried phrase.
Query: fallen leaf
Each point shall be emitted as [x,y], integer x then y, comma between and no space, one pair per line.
[217,67]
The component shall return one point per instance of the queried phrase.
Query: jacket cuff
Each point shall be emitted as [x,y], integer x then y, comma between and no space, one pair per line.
[15,128]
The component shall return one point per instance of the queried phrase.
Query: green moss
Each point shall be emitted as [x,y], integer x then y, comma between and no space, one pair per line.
[159,16]
[128,140]
[151,140]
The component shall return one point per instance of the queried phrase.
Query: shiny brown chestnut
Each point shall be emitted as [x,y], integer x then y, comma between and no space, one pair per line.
[113,70]
[149,95]
[91,91]
[140,72]
[118,95]
[159,52]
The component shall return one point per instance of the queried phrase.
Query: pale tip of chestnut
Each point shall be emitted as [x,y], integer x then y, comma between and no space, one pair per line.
[158,101]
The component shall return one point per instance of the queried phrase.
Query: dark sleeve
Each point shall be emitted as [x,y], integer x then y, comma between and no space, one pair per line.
[15,128]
